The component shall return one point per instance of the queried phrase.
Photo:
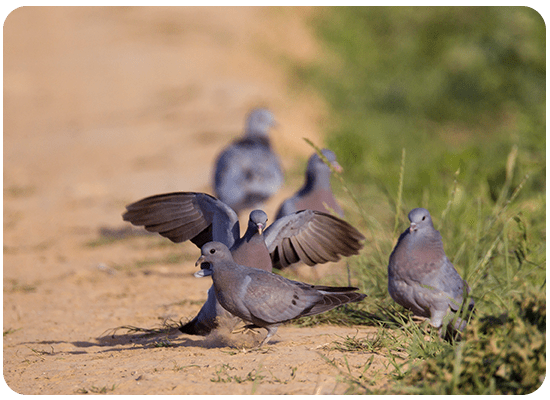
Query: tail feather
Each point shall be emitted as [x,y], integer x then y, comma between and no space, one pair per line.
[196,327]
[332,300]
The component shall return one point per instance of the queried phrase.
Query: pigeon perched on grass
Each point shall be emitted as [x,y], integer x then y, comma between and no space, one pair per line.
[422,279]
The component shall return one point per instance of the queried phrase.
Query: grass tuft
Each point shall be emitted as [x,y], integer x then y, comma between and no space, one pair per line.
[504,354]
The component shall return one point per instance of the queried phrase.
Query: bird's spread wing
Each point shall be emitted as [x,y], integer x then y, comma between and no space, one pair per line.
[182,216]
[312,237]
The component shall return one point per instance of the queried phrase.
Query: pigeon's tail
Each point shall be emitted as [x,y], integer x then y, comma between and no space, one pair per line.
[211,316]
[466,312]
[334,289]
[196,327]
[333,298]
[455,322]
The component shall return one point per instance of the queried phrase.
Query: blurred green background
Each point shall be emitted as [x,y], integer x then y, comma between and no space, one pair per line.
[456,87]
[444,108]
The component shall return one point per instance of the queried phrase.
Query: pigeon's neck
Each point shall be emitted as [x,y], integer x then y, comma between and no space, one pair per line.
[251,251]
[251,236]
[226,278]
[429,245]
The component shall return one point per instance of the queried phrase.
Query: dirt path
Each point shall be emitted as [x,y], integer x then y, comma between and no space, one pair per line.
[101,108]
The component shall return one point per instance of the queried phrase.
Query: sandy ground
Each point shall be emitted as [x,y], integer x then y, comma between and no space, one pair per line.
[101,108]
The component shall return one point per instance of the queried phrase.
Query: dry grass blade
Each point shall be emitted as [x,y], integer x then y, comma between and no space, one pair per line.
[451,198]
[399,193]
[168,327]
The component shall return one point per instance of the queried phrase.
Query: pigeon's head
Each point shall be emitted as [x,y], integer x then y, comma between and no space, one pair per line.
[258,220]
[316,163]
[420,218]
[211,253]
[259,121]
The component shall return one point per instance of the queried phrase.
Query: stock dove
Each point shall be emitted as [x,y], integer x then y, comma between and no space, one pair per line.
[247,171]
[262,298]
[316,193]
[420,276]
[308,236]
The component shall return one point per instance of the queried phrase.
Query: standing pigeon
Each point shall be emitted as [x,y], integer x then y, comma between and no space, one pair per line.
[308,236]
[248,172]
[421,277]
[316,193]
[262,298]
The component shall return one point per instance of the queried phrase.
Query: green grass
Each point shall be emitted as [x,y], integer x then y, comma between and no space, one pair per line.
[382,341]
[10,331]
[223,376]
[502,354]
[96,390]
[443,108]
[256,376]
[17,286]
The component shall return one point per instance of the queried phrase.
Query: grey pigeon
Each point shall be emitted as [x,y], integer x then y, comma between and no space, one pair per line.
[316,193]
[308,236]
[262,298]
[248,172]
[420,276]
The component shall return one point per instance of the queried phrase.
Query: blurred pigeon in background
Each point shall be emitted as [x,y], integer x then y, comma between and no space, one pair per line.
[308,236]
[262,298]
[422,279]
[248,172]
[316,193]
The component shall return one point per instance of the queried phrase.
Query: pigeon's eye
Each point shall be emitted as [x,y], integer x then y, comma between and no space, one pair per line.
[423,218]
[212,251]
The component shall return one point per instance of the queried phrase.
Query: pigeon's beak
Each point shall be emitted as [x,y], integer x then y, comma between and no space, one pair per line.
[206,268]
[261,228]
[337,166]
[413,227]
[200,260]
